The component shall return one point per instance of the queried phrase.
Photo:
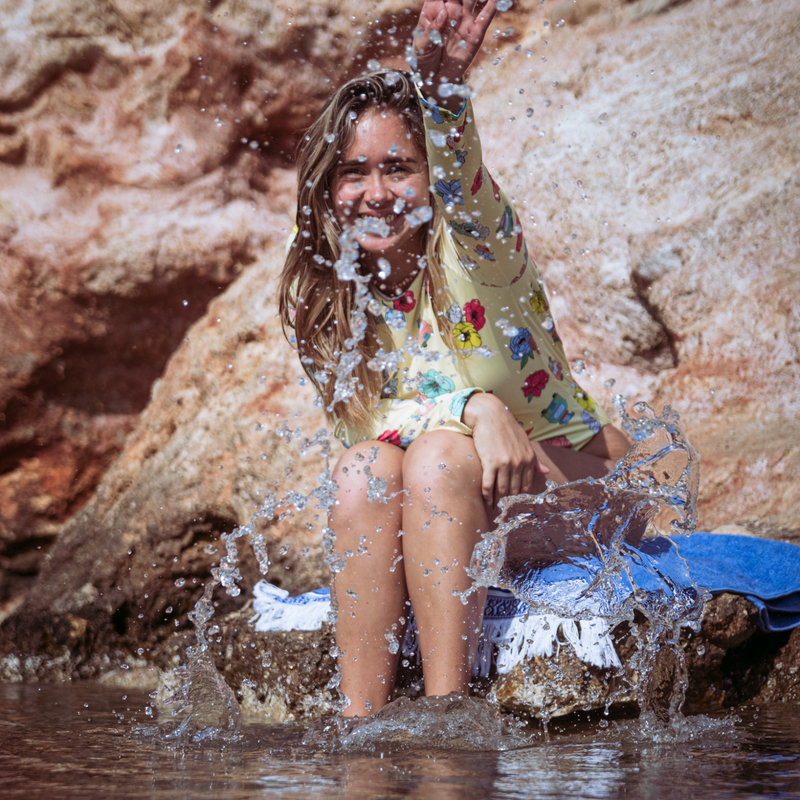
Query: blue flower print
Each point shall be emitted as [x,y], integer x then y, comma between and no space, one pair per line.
[461,157]
[395,318]
[450,192]
[433,383]
[593,424]
[434,111]
[522,345]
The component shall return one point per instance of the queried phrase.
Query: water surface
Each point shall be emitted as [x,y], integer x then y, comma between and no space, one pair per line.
[75,740]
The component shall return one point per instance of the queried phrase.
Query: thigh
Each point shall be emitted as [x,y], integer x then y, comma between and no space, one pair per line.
[609,442]
[569,465]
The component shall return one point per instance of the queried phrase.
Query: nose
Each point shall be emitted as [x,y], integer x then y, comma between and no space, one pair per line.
[375,190]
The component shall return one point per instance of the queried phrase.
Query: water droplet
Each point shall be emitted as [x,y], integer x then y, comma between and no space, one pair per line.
[330,137]
[373,65]
[602,118]
[529,112]
[504,5]
[179,582]
[384,268]
[579,367]
[548,103]
[609,383]
[178,148]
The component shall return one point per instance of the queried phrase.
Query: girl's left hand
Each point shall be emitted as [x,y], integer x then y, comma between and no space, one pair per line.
[448,37]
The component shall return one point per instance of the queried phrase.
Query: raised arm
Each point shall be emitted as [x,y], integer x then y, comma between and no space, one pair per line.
[447,39]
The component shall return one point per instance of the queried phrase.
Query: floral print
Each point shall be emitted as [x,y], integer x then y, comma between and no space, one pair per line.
[469,228]
[478,182]
[538,302]
[433,383]
[522,345]
[390,437]
[405,302]
[583,398]
[534,384]
[475,313]
[450,192]
[555,368]
[459,401]
[466,336]
[484,252]
[590,422]
[506,226]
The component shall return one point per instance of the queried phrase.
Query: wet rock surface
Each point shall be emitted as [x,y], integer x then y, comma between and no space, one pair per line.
[728,662]
[146,190]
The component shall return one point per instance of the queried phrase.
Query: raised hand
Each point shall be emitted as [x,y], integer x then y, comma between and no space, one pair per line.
[449,36]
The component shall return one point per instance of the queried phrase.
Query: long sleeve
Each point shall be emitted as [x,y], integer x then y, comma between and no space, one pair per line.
[485,235]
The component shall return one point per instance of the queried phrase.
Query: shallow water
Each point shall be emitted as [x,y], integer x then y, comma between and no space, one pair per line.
[75,740]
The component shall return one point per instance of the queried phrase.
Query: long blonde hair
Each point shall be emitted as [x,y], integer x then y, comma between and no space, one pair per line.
[315,305]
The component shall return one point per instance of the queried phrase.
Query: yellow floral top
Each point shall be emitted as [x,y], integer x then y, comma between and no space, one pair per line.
[498,311]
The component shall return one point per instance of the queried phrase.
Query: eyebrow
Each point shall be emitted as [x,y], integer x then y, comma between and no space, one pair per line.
[389,160]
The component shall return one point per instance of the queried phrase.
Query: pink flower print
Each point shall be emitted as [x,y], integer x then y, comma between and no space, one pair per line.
[405,302]
[390,437]
[475,313]
[535,383]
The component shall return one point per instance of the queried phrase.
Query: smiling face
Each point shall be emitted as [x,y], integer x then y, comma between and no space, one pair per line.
[381,169]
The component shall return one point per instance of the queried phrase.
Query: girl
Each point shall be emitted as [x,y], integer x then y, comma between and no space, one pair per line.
[397,164]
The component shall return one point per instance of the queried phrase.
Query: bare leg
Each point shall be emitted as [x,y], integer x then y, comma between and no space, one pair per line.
[442,472]
[609,442]
[371,589]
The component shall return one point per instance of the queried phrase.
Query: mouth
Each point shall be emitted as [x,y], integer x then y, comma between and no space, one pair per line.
[387,218]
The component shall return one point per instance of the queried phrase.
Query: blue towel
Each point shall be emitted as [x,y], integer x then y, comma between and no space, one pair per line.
[667,575]
[764,571]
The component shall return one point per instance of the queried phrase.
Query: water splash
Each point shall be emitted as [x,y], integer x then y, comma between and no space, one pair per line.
[453,722]
[579,550]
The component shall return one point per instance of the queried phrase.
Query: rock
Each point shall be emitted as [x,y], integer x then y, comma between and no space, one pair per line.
[217,437]
[727,663]
[782,685]
[277,677]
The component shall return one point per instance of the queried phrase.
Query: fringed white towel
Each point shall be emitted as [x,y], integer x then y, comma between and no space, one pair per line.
[277,610]
[508,630]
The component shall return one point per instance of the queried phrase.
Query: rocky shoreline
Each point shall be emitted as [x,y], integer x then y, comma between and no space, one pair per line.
[149,403]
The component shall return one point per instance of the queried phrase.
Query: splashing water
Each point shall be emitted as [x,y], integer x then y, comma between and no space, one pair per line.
[578,550]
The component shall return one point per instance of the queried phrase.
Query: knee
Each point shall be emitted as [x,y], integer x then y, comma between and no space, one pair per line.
[441,460]
[365,462]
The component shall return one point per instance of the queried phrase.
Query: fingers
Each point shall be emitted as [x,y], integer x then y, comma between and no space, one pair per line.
[487,485]
[484,19]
